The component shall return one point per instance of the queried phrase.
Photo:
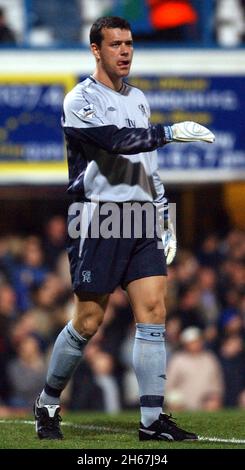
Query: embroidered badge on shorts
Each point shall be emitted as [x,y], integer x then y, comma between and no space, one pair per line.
[86,276]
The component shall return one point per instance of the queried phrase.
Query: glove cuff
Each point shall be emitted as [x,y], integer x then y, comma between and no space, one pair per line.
[168,133]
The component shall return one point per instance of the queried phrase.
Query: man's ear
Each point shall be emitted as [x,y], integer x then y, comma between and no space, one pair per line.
[95,50]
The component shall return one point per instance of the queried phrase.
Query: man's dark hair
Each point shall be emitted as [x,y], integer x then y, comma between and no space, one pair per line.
[107,22]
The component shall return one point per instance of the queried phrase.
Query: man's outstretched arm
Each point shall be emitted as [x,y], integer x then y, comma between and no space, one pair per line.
[125,140]
[135,140]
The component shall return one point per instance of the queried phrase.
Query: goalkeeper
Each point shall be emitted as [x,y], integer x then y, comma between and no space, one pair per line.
[111,149]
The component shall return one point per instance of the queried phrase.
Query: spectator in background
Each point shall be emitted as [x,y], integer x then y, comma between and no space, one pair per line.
[8,307]
[232,357]
[207,283]
[173,20]
[230,22]
[6,260]
[6,34]
[209,254]
[26,373]
[194,375]
[173,334]
[30,271]
[55,239]
[7,315]
[189,310]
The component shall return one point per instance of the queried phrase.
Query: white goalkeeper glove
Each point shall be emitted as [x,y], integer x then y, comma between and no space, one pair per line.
[169,244]
[167,232]
[188,131]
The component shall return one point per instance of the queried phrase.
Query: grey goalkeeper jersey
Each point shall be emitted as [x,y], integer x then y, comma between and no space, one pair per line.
[111,147]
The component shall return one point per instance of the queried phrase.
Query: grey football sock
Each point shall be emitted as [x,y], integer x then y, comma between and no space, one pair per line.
[149,360]
[64,359]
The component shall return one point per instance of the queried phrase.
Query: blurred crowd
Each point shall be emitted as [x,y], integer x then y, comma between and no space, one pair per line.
[59,22]
[205,327]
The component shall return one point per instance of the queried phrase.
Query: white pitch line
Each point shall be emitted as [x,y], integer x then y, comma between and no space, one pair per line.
[220,439]
[91,427]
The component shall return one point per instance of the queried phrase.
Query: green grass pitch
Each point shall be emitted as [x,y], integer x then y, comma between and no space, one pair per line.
[217,430]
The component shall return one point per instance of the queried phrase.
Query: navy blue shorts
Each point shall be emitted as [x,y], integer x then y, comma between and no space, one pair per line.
[103,254]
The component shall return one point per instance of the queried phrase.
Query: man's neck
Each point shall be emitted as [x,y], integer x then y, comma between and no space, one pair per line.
[114,84]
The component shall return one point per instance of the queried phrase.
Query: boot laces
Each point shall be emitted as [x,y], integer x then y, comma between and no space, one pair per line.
[51,423]
[169,419]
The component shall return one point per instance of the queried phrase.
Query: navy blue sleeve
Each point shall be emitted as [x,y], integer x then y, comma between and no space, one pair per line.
[125,140]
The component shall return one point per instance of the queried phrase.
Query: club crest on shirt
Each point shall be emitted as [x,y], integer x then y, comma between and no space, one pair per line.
[142,109]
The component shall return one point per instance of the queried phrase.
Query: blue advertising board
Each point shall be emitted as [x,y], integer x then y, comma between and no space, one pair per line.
[31,138]
[215,102]
[32,145]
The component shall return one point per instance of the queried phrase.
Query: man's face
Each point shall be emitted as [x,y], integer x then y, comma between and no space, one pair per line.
[116,52]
